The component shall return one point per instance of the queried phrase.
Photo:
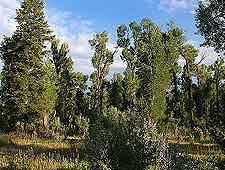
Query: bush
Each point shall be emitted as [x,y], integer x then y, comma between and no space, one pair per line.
[119,142]
[78,127]
[84,165]
[55,125]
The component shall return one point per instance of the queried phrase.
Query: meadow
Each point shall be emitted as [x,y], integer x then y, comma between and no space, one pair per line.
[24,152]
[163,110]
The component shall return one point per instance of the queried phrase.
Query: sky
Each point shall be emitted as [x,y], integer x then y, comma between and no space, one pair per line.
[76,21]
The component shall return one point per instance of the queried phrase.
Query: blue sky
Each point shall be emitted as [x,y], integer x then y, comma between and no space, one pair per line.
[75,22]
[107,15]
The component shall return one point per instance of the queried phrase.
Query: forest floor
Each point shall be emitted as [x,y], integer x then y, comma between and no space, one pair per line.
[32,153]
[22,152]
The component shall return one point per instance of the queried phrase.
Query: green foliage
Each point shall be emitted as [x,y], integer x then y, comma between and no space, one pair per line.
[55,124]
[134,115]
[149,59]
[120,141]
[82,124]
[11,166]
[70,87]
[117,92]
[23,90]
[101,61]
[50,93]
[84,166]
[210,20]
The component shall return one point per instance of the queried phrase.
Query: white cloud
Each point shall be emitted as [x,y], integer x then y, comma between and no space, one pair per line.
[171,5]
[209,55]
[206,55]
[193,42]
[7,13]
[76,32]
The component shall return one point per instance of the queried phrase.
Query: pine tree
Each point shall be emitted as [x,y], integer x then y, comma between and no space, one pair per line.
[23,73]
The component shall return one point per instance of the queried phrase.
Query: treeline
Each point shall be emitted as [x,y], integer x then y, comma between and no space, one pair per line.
[121,118]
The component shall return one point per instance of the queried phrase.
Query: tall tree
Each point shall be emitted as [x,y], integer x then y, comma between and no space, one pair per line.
[150,54]
[50,92]
[70,86]
[61,62]
[101,61]
[130,58]
[189,54]
[218,75]
[23,72]
[210,21]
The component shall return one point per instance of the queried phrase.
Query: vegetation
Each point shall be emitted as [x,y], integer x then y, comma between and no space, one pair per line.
[157,115]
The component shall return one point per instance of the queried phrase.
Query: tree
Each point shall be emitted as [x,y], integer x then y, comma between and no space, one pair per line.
[61,62]
[218,75]
[50,92]
[101,61]
[130,58]
[23,90]
[210,21]
[150,54]
[205,85]
[70,87]
[117,92]
[189,54]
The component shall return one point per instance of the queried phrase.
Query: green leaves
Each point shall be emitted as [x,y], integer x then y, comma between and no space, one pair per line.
[70,103]
[210,21]
[23,87]
[150,54]
[101,61]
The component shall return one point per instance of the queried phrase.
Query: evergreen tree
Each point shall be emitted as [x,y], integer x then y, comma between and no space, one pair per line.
[23,73]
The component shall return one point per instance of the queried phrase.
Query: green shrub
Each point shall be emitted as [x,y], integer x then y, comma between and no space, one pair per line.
[119,143]
[84,165]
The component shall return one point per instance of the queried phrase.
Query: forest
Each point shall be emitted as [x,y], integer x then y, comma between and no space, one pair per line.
[158,114]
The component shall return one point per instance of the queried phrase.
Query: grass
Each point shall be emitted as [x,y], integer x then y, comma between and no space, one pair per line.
[18,152]
[195,148]
[24,152]
[30,161]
